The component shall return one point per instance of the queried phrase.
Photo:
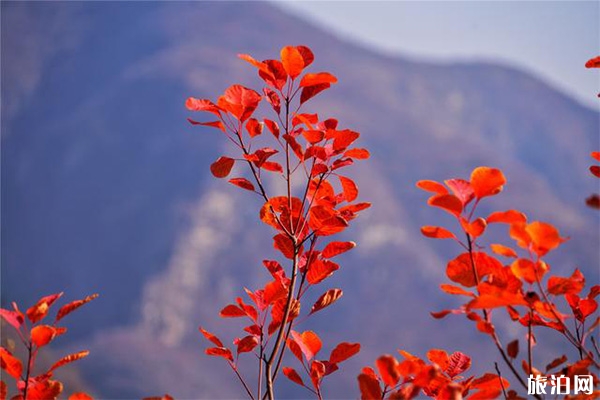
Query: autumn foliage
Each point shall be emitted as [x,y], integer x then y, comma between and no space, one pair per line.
[308,153]
[34,335]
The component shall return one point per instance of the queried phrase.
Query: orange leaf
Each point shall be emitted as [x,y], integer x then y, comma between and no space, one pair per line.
[317,79]
[41,335]
[309,343]
[336,248]
[432,186]
[69,359]
[527,270]
[320,270]
[447,202]
[213,124]
[10,364]
[493,296]
[222,167]
[358,153]
[437,232]
[451,289]
[220,352]
[544,237]
[292,61]
[343,139]
[388,369]
[439,357]
[593,62]
[573,285]
[242,183]
[284,244]
[232,311]
[72,306]
[317,371]
[475,228]
[327,299]
[292,375]
[595,154]
[343,351]
[37,312]
[369,387]
[487,181]
[506,217]
[81,396]
[247,344]
[194,104]
[503,250]
[349,188]
[272,127]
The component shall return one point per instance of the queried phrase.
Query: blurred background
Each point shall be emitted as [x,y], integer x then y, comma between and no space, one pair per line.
[106,187]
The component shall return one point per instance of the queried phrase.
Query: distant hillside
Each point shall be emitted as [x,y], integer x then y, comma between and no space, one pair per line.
[105,187]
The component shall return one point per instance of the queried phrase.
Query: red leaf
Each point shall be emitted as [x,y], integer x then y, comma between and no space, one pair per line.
[461,189]
[595,170]
[336,248]
[313,136]
[239,101]
[503,250]
[274,291]
[69,359]
[13,318]
[10,364]
[213,338]
[573,285]
[458,363]
[272,166]
[85,396]
[311,91]
[432,186]
[343,351]
[292,375]
[487,181]
[317,371]
[247,344]
[232,311]
[343,139]
[273,99]
[327,299]
[222,167]
[593,62]
[41,335]
[44,388]
[254,127]
[307,55]
[359,154]
[309,343]
[512,349]
[439,357]
[388,369]
[437,232]
[220,352]
[292,61]
[320,270]
[460,270]
[272,127]
[544,237]
[213,124]
[72,306]
[37,312]
[243,183]
[349,188]
[317,79]
[451,289]
[284,244]
[447,202]
[595,154]
[276,75]
[369,387]
[194,104]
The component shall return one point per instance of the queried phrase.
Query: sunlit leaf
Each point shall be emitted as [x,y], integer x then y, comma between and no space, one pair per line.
[387,366]
[292,375]
[69,359]
[41,335]
[242,183]
[344,351]
[487,181]
[10,364]
[220,352]
[336,248]
[74,305]
[326,299]
[447,202]
[309,343]
[437,232]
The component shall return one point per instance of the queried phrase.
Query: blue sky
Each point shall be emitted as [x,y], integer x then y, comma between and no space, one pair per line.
[551,39]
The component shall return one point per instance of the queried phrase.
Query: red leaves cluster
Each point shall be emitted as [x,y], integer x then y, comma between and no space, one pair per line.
[35,337]
[439,378]
[518,286]
[308,153]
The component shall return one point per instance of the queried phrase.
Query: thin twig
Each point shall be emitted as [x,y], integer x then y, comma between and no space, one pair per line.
[500,378]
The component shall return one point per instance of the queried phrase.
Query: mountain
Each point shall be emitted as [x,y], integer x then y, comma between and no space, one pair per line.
[106,187]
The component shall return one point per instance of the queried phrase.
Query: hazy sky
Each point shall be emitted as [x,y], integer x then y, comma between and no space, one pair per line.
[552,39]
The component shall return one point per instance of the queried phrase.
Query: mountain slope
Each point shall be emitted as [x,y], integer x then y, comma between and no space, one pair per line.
[106,188]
